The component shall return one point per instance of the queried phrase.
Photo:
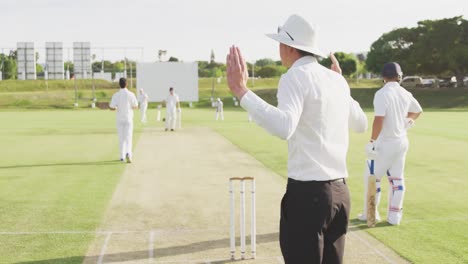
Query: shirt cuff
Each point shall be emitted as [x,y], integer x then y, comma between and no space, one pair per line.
[250,101]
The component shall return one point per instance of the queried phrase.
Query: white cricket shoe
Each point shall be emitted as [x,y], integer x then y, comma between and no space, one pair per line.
[129,160]
[394,218]
[362,217]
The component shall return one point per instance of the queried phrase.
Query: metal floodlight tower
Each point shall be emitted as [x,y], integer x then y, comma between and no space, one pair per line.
[83,72]
[1,65]
[67,72]
[102,61]
[131,75]
[93,104]
[76,88]
[125,67]
[253,73]
[46,76]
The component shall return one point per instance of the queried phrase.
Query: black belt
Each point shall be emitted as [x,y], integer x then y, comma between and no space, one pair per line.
[293,181]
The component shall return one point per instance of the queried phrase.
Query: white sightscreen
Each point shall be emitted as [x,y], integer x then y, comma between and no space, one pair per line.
[26,61]
[54,60]
[156,78]
[82,60]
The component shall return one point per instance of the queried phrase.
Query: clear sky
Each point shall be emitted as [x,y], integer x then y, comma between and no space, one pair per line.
[189,29]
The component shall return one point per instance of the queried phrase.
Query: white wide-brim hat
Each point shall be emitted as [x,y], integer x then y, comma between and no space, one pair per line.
[299,34]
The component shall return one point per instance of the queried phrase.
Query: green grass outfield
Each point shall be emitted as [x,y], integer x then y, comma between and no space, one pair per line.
[58,171]
[60,94]
[435,223]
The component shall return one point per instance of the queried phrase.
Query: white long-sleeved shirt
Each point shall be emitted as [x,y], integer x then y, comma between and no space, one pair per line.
[143,99]
[124,101]
[314,114]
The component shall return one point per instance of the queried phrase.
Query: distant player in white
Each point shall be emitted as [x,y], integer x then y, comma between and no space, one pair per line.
[143,100]
[395,112]
[219,109]
[172,107]
[124,102]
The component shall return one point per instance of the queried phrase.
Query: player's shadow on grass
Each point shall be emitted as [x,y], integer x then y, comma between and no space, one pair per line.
[356,224]
[85,163]
[160,252]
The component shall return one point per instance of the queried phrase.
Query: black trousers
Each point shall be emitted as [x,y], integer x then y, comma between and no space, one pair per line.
[314,221]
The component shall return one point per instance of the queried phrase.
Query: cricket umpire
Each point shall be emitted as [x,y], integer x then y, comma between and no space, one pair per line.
[314,113]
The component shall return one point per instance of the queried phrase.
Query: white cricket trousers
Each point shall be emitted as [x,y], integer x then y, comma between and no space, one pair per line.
[390,162]
[143,108]
[125,132]
[171,118]
[219,114]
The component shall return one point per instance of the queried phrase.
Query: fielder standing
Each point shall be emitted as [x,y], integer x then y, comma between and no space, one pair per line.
[315,111]
[143,100]
[172,108]
[395,111]
[219,109]
[124,102]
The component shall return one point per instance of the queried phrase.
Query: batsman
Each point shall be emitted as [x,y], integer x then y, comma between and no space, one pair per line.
[395,111]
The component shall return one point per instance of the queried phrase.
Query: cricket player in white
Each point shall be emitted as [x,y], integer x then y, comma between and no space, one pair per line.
[172,107]
[219,109]
[143,100]
[395,112]
[124,102]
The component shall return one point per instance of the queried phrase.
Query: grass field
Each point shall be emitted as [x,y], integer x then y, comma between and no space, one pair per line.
[435,222]
[61,94]
[60,169]
[58,94]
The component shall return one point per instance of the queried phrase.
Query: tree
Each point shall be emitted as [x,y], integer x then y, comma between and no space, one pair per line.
[8,65]
[392,46]
[348,63]
[108,66]
[270,71]
[442,47]
[39,68]
[173,59]
[434,47]
[69,65]
[264,62]
[118,66]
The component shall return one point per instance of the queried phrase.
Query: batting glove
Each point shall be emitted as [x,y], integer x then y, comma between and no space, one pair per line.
[409,123]
[371,150]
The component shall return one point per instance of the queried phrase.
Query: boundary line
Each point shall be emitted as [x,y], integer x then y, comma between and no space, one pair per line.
[104,248]
[151,245]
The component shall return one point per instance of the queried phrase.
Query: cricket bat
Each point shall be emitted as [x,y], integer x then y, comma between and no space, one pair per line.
[371,193]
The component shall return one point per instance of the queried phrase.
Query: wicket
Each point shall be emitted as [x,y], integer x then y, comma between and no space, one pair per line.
[253,228]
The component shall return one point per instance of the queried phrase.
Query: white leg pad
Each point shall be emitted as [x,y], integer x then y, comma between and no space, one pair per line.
[395,205]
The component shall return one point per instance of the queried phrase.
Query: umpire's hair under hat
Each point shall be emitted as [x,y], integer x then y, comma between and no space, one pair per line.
[391,70]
